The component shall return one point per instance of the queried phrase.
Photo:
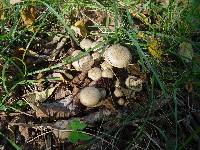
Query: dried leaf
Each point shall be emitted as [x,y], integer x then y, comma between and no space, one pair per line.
[28,16]
[60,109]
[79,28]
[189,87]
[142,17]
[134,69]
[108,104]
[61,134]
[36,97]
[24,132]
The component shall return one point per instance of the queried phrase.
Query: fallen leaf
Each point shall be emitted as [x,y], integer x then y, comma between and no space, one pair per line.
[28,16]
[107,103]
[79,28]
[189,87]
[33,98]
[61,134]
[64,108]
[24,132]
[142,17]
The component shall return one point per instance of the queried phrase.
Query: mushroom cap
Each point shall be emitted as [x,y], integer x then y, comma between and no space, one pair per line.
[118,56]
[106,65]
[121,101]
[95,73]
[118,92]
[107,73]
[96,55]
[85,43]
[134,83]
[82,63]
[90,96]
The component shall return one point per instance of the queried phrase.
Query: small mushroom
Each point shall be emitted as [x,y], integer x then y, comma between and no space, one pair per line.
[90,96]
[95,73]
[96,55]
[118,56]
[117,83]
[118,92]
[134,83]
[82,63]
[121,101]
[107,73]
[85,44]
[106,65]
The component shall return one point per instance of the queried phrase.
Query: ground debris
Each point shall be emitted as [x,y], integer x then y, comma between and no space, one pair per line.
[64,108]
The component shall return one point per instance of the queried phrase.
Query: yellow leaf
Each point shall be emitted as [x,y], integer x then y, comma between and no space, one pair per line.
[153,48]
[28,16]
[79,28]
[142,17]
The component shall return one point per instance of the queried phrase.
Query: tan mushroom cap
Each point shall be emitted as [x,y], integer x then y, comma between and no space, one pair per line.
[95,73]
[118,56]
[107,73]
[134,83]
[105,65]
[118,92]
[82,62]
[121,101]
[85,43]
[90,96]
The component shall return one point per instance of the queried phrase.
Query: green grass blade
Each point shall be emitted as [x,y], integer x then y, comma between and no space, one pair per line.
[61,19]
[144,59]
[11,142]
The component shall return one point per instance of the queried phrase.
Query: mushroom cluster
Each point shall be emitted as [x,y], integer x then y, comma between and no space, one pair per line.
[100,64]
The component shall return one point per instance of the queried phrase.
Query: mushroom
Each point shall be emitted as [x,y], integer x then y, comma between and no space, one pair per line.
[117,83]
[96,55]
[90,96]
[118,92]
[82,63]
[107,73]
[85,44]
[121,101]
[95,73]
[118,56]
[106,65]
[134,83]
